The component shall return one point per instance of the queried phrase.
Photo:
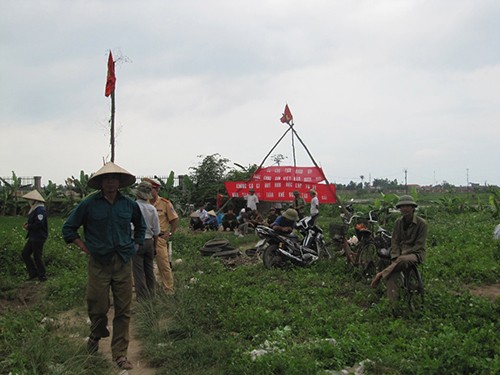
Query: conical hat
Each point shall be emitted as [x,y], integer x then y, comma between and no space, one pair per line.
[126,178]
[212,213]
[34,195]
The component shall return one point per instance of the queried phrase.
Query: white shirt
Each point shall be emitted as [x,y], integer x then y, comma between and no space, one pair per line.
[252,201]
[314,205]
[150,217]
[203,214]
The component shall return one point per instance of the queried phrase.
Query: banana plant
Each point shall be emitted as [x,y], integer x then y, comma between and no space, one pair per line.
[10,193]
[80,185]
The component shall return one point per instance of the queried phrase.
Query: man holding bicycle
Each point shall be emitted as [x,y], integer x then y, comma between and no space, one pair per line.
[407,246]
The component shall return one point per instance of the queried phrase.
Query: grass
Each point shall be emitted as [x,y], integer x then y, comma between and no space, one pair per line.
[246,320]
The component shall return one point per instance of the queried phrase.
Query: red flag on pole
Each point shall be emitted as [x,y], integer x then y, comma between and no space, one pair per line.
[287,116]
[111,80]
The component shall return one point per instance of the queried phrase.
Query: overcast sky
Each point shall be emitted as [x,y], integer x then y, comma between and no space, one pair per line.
[375,87]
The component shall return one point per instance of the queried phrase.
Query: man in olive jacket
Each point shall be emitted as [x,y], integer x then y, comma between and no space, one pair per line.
[407,246]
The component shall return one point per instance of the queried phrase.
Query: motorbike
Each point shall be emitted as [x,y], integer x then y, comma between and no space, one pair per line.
[279,250]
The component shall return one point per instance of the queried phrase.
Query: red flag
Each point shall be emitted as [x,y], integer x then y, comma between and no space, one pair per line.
[111,80]
[287,116]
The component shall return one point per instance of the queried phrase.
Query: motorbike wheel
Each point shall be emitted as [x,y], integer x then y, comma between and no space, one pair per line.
[272,259]
[367,260]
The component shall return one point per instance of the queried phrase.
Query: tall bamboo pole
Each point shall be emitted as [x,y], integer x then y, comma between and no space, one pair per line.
[112,121]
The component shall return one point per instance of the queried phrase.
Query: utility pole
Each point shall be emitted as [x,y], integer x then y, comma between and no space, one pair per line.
[406,181]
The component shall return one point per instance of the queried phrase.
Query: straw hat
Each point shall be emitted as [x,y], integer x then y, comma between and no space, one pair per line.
[126,178]
[154,183]
[212,213]
[143,191]
[312,191]
[34,195]
[194,214]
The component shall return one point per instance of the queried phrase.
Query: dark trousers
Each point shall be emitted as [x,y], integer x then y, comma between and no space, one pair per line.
[35,268]
[144,278]
[116,276]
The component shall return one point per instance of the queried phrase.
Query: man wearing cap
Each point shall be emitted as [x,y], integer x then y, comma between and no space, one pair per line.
[142,269]
[286,221]
[106,217]
[168,225]
[38,231]
[298,204]
[407,245]
[314,206]
[252,200]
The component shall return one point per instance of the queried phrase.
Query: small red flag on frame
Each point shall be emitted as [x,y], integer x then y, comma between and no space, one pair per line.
[287,116]
[111,80]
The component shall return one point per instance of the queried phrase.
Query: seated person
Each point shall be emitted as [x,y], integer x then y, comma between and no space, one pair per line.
[211,222]
[229,221]
[271,217]
[202,213]
[245,226]
[285,223]
[195,222]
[255,219]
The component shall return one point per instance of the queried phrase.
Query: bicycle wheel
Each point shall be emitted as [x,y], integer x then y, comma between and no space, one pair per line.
[367,260]
[414,289]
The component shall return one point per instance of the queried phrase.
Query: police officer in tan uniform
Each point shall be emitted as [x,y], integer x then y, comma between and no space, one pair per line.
[168,225]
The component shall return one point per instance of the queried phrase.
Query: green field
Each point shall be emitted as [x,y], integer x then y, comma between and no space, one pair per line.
[315,320]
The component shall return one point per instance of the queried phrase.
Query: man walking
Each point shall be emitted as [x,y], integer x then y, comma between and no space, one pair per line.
[106,216]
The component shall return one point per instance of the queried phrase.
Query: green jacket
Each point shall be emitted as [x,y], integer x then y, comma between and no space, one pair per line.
[106,226]
[411,240]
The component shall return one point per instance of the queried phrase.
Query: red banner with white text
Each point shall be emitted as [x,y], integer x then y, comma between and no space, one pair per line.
[289,174]
[281,191]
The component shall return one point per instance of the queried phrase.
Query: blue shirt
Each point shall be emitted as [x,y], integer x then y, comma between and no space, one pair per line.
[106,226]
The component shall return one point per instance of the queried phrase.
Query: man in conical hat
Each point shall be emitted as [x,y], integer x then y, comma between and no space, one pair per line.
[106,216]
[38,230]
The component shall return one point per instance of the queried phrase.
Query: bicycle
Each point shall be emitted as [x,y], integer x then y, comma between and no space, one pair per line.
[360,250]
[410,281]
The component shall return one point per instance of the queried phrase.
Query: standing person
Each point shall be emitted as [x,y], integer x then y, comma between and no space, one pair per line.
[168,225]
[252,200]
[298,204]
[407,246]
[106,216]
[314,205]
[142,269]
[38,231]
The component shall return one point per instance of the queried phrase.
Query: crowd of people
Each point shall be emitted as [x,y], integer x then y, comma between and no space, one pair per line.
[123,238]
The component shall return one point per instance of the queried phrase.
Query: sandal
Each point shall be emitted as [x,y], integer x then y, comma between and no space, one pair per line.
[92,344]
[124,363]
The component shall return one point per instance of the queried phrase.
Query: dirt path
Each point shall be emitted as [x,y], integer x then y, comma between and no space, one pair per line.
[134,349]
[488,291]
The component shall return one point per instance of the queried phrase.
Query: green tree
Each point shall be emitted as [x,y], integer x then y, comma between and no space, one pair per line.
[208,178]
